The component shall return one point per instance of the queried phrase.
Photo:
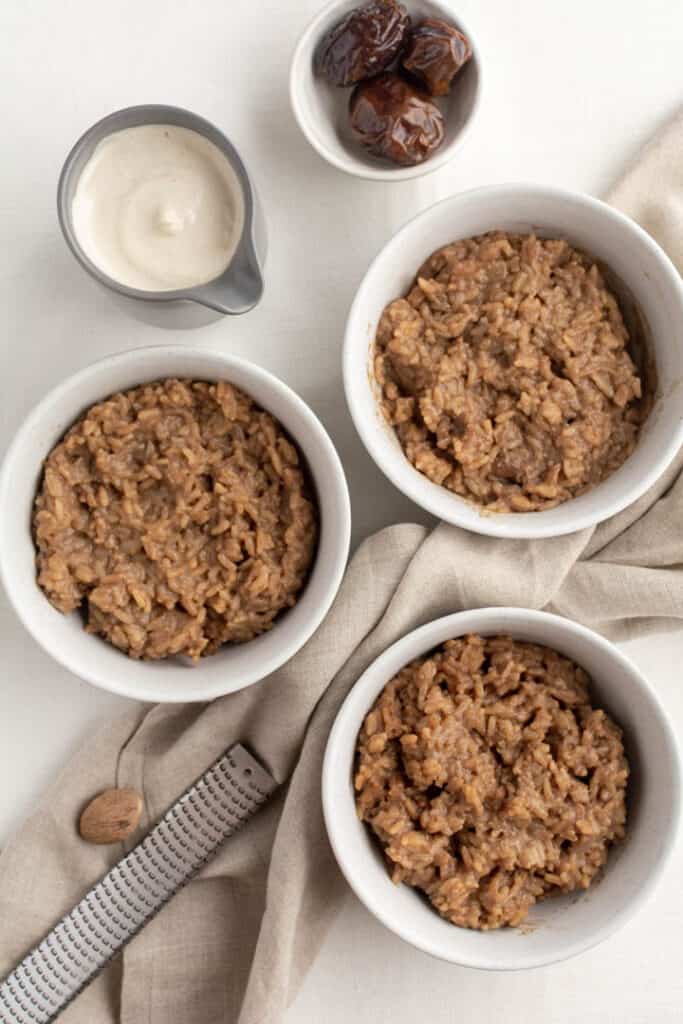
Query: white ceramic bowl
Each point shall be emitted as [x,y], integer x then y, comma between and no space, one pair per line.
[609,236]
[90,657]
[560,927]
[321,109]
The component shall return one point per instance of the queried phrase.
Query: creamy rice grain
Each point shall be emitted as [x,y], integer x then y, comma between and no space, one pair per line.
[507,375]
[177,517]
[490,780]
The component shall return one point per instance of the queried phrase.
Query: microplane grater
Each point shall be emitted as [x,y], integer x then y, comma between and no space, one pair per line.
[135,889]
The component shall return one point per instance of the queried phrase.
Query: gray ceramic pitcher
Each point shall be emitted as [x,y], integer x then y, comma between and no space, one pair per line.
[237,290]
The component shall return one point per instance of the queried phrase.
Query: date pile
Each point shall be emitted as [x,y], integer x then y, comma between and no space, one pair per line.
[397,69]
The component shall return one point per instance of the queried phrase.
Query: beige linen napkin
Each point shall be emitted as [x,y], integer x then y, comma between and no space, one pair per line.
[233,946]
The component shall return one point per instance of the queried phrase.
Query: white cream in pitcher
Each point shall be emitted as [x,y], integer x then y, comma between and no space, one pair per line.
[158,207]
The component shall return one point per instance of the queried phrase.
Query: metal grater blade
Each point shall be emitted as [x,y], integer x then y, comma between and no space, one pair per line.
[135,890]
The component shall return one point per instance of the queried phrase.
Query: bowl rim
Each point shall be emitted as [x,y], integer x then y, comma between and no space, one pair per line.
[336,553]
[487,621]
[370,172]
[435,499]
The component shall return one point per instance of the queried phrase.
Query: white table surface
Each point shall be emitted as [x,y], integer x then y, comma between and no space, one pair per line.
[573,89]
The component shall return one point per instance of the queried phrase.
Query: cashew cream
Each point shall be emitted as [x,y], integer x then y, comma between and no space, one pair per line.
[158,207]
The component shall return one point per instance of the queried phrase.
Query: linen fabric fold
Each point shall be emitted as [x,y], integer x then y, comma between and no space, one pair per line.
[233,947]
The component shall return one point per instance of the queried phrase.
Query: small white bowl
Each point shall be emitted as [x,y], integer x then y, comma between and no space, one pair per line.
[90,657]
[559,927]
[322,109]
[650,279]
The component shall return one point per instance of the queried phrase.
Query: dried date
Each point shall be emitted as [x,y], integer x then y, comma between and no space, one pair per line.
[363,43]
[435,54]
[392,119]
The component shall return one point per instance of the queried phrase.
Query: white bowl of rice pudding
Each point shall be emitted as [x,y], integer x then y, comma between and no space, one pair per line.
[512,361]
[511,798]
[174,523]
